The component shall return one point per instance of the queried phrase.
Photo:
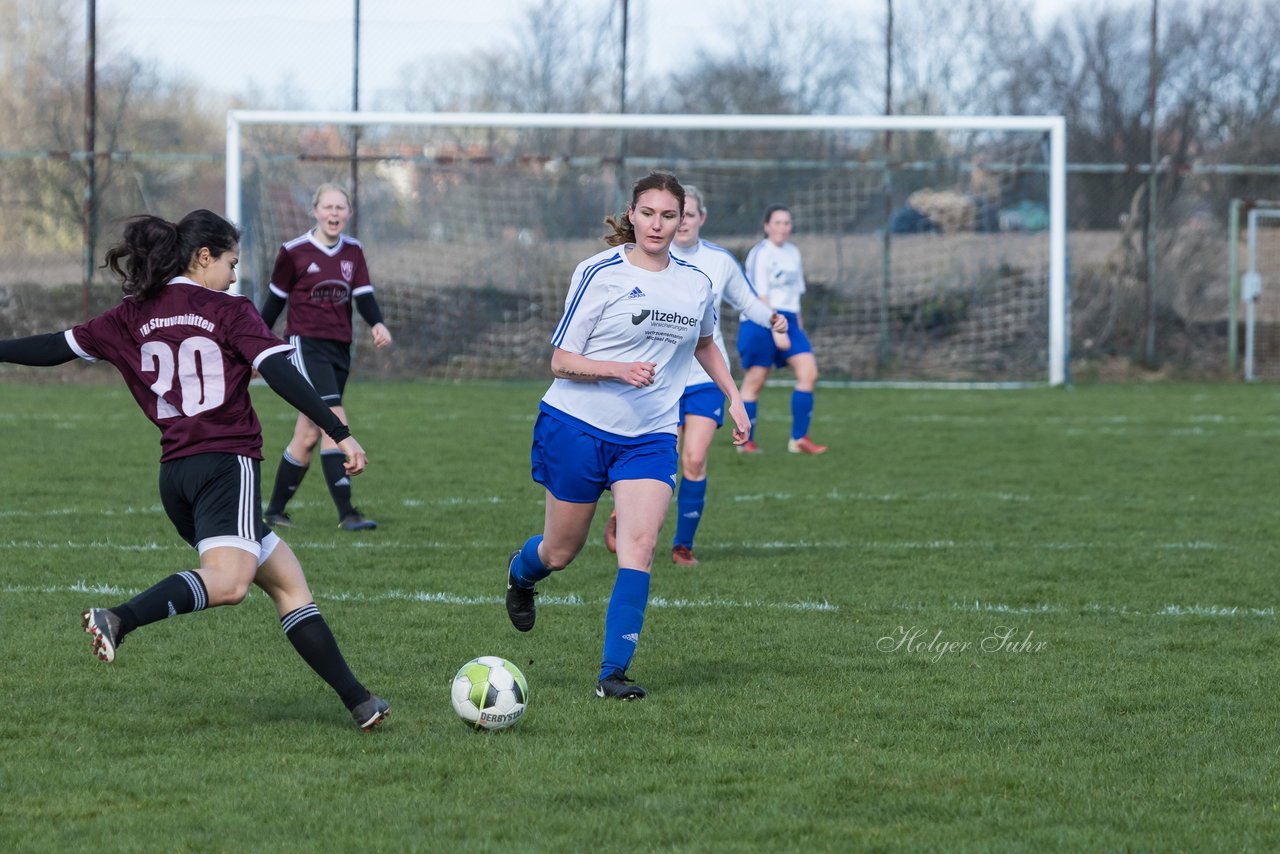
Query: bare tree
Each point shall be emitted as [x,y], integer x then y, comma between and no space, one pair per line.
[42,101]
[559,57]
[785,59]
[955,57]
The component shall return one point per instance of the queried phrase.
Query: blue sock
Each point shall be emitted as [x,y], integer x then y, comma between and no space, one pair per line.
[623,620]
[527,568]
[801,412]
[750,406]
[690,499]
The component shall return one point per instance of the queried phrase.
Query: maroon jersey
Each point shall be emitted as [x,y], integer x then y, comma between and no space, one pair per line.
[187,355]
[320,282]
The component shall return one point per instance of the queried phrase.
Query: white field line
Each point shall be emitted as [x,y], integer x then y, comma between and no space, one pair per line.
[1171,610]
[442,598]
[745,545]
[573,600]
[158,510]
[831,496]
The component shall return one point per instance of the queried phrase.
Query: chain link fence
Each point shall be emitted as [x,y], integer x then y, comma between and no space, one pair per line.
[46,284]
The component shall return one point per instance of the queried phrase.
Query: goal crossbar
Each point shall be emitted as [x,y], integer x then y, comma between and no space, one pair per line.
[1054,127]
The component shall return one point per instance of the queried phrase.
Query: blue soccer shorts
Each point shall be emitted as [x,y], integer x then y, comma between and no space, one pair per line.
[706,400]
[756,347]
[577,467]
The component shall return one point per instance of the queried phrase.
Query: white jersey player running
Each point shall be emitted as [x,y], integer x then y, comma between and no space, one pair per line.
[702,404]
[776,270]
[635,320]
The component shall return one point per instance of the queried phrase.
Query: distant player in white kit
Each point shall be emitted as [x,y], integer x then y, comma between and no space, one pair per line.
[702,405]
[635,320]
[777,273]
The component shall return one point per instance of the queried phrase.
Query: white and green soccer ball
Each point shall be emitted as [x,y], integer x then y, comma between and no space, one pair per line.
[490,693]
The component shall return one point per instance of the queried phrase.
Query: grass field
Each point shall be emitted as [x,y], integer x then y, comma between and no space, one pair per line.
[1036,620]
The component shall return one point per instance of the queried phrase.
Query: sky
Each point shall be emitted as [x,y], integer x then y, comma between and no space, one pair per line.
[305,46]
[309,43]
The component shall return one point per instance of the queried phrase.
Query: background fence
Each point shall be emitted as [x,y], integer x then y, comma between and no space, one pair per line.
[43,286]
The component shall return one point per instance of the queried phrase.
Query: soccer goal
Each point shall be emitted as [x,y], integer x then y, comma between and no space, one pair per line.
[1261,305]
[934,247]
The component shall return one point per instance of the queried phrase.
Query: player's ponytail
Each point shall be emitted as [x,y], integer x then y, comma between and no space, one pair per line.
[623,230]
[153,250]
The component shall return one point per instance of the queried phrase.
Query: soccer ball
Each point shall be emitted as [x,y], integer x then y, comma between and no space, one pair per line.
[490,693]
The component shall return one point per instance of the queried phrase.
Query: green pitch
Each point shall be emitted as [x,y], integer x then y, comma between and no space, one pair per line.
[1035,619]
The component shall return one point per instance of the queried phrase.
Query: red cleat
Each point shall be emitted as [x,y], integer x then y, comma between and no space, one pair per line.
[748,447]
[805,445]
[683,556]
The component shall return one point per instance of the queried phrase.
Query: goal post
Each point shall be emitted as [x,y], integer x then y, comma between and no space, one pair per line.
[935,246]
[1249,287]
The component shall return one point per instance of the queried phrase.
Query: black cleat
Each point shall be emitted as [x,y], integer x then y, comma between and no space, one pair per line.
[520,606]
[355,521]
[105,628]
[619,687]
[278,520]
[371,712]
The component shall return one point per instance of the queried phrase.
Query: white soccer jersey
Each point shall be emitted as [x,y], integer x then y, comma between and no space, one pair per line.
[616,311]
[727,283]
[777,273]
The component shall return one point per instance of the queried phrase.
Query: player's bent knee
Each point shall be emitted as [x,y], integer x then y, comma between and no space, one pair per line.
[694,467]
[557,559]
[237,594]
[226,591]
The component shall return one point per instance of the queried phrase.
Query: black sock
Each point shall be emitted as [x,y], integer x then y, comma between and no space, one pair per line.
[310,636]
[288,478]
[180,593]
[335,474]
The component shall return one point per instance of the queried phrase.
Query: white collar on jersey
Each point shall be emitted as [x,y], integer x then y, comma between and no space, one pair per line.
[320,244]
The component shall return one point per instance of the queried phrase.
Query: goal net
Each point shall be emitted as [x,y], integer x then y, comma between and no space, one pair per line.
[933,246]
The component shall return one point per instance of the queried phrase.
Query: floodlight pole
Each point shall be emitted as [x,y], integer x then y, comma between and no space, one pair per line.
[886,238]
[1233,284]
[89,223]
[621,169]
[353,224]
[1153,180]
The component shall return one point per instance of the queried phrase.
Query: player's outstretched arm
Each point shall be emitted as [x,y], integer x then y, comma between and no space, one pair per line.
[38,351]
[284,380]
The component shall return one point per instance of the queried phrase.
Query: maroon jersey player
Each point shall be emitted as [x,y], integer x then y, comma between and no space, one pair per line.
[318,276]
[186,349]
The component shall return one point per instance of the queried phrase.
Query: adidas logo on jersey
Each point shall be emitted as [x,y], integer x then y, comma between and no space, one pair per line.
[635,293]
[314,268]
